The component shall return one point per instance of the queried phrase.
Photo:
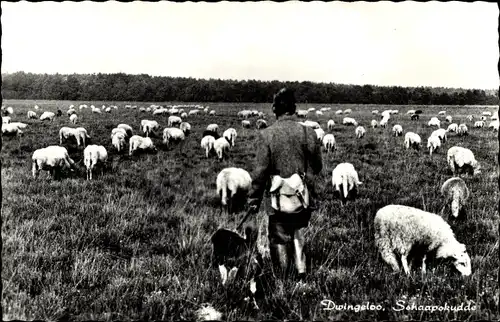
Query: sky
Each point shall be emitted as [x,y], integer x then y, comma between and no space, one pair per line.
[450,44]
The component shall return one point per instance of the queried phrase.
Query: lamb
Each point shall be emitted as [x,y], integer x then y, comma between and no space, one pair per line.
[79,133]
[128,129]
[6,119]
[185,127]
[329,143]
[434,122]
[413,140]
[230,135]
[207,143]
[261,124]
[32,115]
[330,125]
[455,189]
[140,143]
[92,155]
[173,121]
[149,127]
[460,158]
[118,141]
[52,158]
[73,118]
[117,130]
[441,134]
[11,129]
[397,130]
[433,143]
[399,228]
[479,124]
[349,121]
[360,132]
[246,124]
[47,116]
[448,119]
[462,129]
[345,176]
[232,182]
[221,147]
[172,134]
[453,127]
[213,128]
[320,133]
[374,124]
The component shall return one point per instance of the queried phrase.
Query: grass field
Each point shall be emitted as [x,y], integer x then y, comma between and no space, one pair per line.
[134,243]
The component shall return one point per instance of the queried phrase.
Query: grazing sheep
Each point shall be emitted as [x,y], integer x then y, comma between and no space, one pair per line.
[374,124]
[261,124]
[212,112]
[246,124]
[360,132]
[128,129]
[412,140]
[9,110]
[6,119]
[118,130]
[118,141]
[184,115]
[493,125]
[211,133]
[375,112]
[453,127]
[207,143]
[52,158]
[213,128]
[149,127]
[338,112]
[311,109]
[20,125]
[386,114]
[433,143]
[494,117]
[311,124]
[384,121]
[79,133]
[329,143]
[462,129]
[172,134]
[32,115]
[414,117]
[330,125]
[230,135]
[11,129]
[185,127]
[410,112]
[397,130]
[71,111]
[479,124]
[448,119]
[434,122]
[92,155]
[47,116]
[108,110]
[302,113]
[345,176]
[73,118]
[442,113]
[348,111]
[455,189]
[221,147]
[470,118]
[399,228]
[244,114]
[96,110]
[463,159]
[395,112]
[484,113]
[319,113]
[349,121]
[173,121]
[140,143]
[232,182]
[441,134]
[320,133]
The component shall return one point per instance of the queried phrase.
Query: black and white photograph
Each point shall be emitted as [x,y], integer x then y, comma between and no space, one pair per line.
[250,161]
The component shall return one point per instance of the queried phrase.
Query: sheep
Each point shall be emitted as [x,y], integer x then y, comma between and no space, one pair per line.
[375,112]
[244,114]
[212,112]
[73,118]
[246,124]
[128,129]
[330,125]
[320,133]
[442,113]
[96,110]
[207,143]
[9,110]
[410,112]
[318,113]
[311,124]
[221,146]
[360,132]
[118,141]
[448,119]
[386,114]
[344,175]
[434,122]
[479,124]
[52,159]
[441,134]
[149,127]
[11,129]
[172,134]
[397,130]
[329,143]
[412,140]
[6,119]
[399,228]
[433,143]
[211,133]
[32,115]
[453,127]
[213,128]
[231,183]
[92,155]
[493,125]
[484,113]
[185,127]
[383,122]
[19,125]
[349,121]
[36,107]
[462,129]
[71,111]
[460,158]
[470,118]
[173,121]
[230,135]
[494,117]
[455,189]
[184,115]
[395,112]
[348,111]
[374,124]
[140,143]
[47,116]
[414,117]
[79,133]
[261,124]
[160,111]
[338,112]
[108,110]
[118,130]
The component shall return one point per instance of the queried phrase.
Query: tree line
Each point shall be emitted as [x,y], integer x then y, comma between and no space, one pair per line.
[146,88]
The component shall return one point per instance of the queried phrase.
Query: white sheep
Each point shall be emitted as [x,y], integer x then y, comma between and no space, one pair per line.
[71,111]
[118,140]
[52,159]
[260,124]
[246,124]
[375,112]
[349,121]
[47,116]
[36,107]
[32,115]
[6,119]
[92,155]
[345,179]
[455,189]
[410,112]
[230,135]
[108,110]
[244,114]
[386,114]
[118,130]
[330,125]
[348,111]
[96,110]
[397,130]
[329,142]
[213,128]
[311,124]
[374,124]
[319,113]
[442,113]
[494,117]
[185,127]
[73,118]
[212,112]
[171,134]
[462,129]
[384,121]
[395,112]
[11,129]
[338,112]
[434,122]
[127,128]
[412,140]
[320,133]
[441,134]
[80,134]
[20,125]
[460,158]
[399,228]
[360,132]
[149,127]
[140,143]
[173,121]
[494,125]
[433,143]
[184,115]
[221,147]
[484,113]
[10,110]
[232,182]
[207,143]
[449,119]
[453,127]
[479,124]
